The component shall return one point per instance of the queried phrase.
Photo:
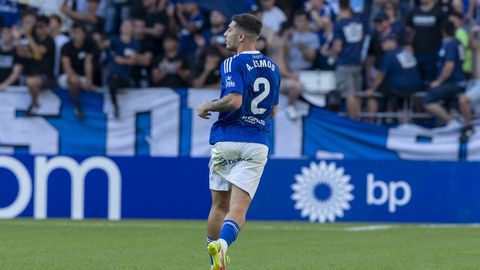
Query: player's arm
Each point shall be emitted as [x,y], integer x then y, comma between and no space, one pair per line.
[230,102]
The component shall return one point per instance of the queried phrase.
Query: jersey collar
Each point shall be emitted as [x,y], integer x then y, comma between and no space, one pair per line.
[250,52]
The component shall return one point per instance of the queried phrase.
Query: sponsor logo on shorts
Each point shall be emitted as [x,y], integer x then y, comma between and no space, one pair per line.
[224,162]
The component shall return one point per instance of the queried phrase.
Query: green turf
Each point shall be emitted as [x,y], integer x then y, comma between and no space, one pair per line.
[93,244]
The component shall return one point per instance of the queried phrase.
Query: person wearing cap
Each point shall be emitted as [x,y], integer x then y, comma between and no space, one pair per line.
[375,51]
[451,79]
[398,70]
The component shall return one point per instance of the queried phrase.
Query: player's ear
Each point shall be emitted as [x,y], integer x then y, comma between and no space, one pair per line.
[241,36]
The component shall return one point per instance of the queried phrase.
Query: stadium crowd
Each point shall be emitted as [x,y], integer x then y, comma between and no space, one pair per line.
[393,47]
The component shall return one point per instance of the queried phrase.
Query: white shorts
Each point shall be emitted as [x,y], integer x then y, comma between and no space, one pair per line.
[237,163]
[473,91]
[63,81]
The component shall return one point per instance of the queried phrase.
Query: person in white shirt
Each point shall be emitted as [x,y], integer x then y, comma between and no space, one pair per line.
[272,16]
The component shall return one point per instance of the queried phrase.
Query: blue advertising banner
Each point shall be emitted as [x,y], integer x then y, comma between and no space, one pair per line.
[291,189]
[161,122]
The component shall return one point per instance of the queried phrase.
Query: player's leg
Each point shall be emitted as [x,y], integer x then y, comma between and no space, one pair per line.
[239,202]
[218,211]
[244,177]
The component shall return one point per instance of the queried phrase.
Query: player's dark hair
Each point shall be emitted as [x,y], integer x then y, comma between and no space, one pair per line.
[448,28]
[248,22]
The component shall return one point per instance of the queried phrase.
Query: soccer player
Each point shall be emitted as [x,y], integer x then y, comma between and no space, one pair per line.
[249,97]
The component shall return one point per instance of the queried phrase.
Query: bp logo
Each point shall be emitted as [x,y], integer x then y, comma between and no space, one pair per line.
[322,192]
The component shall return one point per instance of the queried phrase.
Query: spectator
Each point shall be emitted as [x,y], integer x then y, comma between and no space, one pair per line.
[472,96]
[121,56]
[391,10]
[302,44]
[347,46]
[451,79]
[449,7]
[93,23]
[59,38]
[155,24]
[213,36]
[9,13]
[191,21]
[37,50]
[77,63]
[10,69]
[375,51]
[398,70]
[117,11]
[171,69]
[209,75]
[321,17]
[27,25]
[425,23]
[271,38]
[290,83]
[461,34]
[272,16]
[141,70]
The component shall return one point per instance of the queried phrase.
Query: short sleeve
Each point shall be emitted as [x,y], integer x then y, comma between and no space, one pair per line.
[451,52]
[232,76]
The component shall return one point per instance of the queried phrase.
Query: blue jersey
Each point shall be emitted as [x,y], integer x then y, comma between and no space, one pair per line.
[350,32]
[400,68]
[117,47]
[256,77]
[452,50]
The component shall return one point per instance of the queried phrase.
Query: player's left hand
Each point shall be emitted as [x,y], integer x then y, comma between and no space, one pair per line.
[202,110]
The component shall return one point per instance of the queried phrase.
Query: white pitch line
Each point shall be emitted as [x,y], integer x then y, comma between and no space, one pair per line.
[179,225]
[369,228]
[253,227]
[449,226]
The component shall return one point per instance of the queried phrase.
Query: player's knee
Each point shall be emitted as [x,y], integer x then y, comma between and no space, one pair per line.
[221,206]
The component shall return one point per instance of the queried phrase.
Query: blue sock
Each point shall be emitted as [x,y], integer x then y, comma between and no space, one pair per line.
[230,230]
[209,240]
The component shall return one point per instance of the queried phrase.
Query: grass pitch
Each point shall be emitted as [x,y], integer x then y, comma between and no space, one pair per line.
[92,244]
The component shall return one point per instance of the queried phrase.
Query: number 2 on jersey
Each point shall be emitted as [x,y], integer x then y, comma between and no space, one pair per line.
[262,96]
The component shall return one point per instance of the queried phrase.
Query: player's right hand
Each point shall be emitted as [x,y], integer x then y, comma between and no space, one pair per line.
[202,110]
